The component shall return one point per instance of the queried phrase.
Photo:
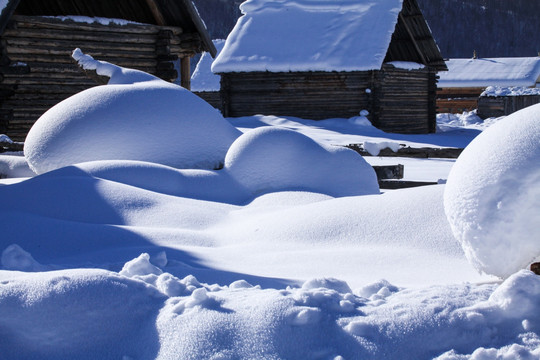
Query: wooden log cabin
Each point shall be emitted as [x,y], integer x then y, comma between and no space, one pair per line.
[333,60]
[37,38]
[466,79]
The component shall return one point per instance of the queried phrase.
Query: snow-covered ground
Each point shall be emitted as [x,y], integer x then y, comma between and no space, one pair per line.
[287,252]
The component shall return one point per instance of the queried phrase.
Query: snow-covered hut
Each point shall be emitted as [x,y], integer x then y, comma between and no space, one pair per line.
[324,59]
[466,79]
[204,82]
[37,38]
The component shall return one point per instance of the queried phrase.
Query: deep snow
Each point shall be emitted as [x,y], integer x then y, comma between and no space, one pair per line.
[492,196]
[129,259]
[119,121]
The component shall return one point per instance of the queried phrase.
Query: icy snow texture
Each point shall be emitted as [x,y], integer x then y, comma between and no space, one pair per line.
[98,314]
[135,117]
[293,161]
[519,71]
[510,91]
[374,148]
[203,79]
[309,35]
[492,197]
[407,65]
[95,20]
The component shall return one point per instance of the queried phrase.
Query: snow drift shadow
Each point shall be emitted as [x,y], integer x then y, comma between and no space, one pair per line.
[77,220]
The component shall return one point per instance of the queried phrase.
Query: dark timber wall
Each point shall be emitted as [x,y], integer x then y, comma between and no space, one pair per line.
[495,106]
[398,100]
[37,72]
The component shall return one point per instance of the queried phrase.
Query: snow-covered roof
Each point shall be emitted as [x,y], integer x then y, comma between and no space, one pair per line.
[310,35]
[518,71]
[203,79]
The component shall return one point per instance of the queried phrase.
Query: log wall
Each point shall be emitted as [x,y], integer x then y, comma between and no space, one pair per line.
[37,71]
[309,95]
[458,100]
[489,106]
[405,101]
[211,97]
[397,100]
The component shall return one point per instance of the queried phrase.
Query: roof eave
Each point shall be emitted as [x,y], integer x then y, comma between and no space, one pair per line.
[201,28]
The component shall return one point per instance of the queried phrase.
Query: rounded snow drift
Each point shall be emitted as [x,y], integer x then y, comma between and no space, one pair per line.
[269,159]
[492,197]
[150,121]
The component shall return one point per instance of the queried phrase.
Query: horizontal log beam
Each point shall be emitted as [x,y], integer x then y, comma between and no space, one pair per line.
[55,23]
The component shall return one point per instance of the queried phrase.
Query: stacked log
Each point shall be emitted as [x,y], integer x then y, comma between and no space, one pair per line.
[37,71]
[404,101]
[398,100]
[496,106]
[310,95]
[458,100]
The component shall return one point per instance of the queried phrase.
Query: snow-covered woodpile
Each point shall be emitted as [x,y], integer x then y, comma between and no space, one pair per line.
[374,57]
[38,37]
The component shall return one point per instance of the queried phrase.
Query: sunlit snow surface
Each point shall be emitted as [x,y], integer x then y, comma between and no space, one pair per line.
[124,259]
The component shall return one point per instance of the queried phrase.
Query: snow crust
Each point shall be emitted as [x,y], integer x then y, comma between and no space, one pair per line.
[309,35]
[92,20]
[495,91]
[407,65]
[126,120]
[374,148]
[203,79]
[492,198]
[503,72]
[167,317]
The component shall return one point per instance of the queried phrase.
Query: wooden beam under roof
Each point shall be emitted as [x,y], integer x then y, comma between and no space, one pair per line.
[409,31]
[156,13]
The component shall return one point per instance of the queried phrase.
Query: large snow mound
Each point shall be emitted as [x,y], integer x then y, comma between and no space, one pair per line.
[492,198]
[135,117]
[293,161]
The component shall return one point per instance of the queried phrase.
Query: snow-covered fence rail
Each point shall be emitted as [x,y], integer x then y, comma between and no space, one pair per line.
[425,152]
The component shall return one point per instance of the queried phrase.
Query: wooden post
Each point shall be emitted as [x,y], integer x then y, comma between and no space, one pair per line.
[535,268]
[185,72]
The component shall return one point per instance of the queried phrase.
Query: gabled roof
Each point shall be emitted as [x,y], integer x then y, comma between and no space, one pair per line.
[518,71]
[181,13]
[203,79]
[326,35]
